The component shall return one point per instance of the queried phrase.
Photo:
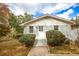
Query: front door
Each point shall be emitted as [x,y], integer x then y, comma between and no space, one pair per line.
[41,37]
[40,32]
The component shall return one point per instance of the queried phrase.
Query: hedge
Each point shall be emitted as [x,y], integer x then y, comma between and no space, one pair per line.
[27,39]
[55,38]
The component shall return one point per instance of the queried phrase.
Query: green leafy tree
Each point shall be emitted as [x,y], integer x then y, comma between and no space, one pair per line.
[77,25]
[27,17]
[14,23]
[77,20]
[24,18]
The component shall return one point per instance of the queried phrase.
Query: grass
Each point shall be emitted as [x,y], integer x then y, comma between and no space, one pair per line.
[12,47]
[64,49]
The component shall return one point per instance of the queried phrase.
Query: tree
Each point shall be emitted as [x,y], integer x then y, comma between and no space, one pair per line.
[4,14]
[77,20]
[14,23]
[77,25]
[24,18]
[4,19]
[27,17]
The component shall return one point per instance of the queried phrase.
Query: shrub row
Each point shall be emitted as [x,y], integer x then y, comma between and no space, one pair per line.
[27,39]
[55,38]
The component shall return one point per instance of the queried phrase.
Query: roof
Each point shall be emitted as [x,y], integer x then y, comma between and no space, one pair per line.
[50,16]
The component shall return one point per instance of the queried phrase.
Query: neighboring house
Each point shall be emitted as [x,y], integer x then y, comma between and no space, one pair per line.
[50,22]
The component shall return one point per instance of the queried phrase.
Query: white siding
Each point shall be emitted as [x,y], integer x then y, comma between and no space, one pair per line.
[48,24]
[68,32]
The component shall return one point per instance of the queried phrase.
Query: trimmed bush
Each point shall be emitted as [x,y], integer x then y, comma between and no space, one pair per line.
[27,39]
[55,38]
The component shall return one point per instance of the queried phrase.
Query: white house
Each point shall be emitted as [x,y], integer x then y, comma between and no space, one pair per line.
[50,22]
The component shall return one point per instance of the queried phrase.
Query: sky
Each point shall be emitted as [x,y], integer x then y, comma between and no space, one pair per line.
[64,10]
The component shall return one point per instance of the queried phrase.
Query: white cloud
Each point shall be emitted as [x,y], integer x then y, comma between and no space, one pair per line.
[31,8]
[74,18]
[19,12]
[57,7]
[66,14]
[78,15]
[15,9]
[52,9]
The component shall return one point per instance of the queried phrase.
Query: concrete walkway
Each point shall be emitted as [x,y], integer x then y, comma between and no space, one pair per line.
[39,51]
[41,39]
[40,46]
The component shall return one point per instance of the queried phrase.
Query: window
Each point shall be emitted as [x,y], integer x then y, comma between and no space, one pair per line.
[55,27]
[31,29]
[40,28]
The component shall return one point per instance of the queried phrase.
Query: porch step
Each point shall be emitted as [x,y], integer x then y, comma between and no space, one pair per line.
[41,35]
[40,39]
[40,42]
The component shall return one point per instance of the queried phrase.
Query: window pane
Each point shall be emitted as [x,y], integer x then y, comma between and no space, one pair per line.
[31,29]
[56,27]
[40,28]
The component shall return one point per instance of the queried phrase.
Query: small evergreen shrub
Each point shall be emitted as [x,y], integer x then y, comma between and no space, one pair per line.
[55,38]
[27,39]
